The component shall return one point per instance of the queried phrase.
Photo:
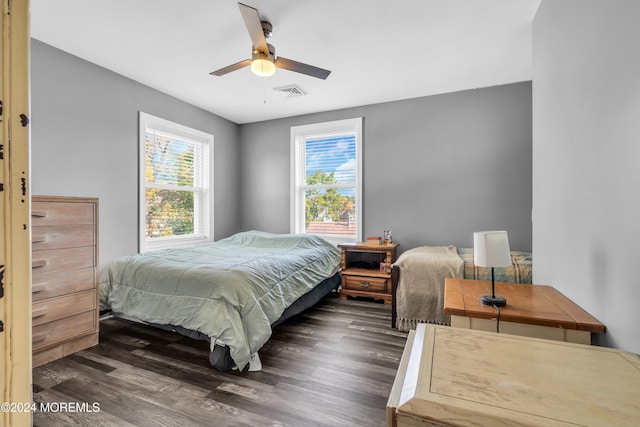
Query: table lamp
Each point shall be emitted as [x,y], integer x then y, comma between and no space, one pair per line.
[491,249]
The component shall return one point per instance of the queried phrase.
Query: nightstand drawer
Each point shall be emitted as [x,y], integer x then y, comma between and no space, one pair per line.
[363,283]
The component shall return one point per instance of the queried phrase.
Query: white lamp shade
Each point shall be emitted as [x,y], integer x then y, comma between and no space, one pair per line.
[491,249]
[263,67]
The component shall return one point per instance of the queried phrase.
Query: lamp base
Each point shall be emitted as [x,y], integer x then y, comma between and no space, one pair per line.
[492,300]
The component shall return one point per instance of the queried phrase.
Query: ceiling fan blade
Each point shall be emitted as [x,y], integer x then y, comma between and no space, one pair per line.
[254,26]
[230,68]
[299,67]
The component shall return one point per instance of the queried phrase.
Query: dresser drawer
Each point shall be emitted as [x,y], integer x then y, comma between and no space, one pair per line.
[64,329]
[61,236]
[64,306]
[61,259]
[363,283]
[60,213]
[51,284]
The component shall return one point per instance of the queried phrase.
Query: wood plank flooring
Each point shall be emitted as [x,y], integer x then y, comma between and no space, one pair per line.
[332,365]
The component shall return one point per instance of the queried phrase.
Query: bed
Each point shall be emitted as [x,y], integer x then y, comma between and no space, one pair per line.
[231,292]
[417,279]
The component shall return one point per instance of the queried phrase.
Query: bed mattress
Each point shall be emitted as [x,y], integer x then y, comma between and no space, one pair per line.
[231,291]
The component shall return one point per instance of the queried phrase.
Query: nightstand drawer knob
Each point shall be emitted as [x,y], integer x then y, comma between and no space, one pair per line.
[365,284]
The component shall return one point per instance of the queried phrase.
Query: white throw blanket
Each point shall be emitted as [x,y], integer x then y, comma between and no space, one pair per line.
[420,292]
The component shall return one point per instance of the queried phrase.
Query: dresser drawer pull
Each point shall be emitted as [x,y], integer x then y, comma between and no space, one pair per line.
[42,311]
[39,338]
[39,214]
[365,284]
[35,288]
[38,263]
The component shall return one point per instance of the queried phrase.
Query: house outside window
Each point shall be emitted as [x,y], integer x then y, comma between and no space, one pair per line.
[175,197]
[327,180]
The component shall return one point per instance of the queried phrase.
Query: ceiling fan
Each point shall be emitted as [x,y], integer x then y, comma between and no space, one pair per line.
[263,60]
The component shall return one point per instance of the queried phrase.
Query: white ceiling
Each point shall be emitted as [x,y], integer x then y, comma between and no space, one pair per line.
[377,50]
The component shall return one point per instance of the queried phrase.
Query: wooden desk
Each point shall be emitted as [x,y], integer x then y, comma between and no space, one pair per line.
[452,376]
[532,310]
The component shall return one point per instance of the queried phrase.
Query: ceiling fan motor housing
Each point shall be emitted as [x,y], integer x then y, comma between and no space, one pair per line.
[269,56]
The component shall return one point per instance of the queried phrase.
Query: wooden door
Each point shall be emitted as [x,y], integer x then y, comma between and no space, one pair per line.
[15,228]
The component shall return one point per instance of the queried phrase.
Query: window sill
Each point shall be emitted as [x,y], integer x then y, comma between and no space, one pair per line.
[173,242]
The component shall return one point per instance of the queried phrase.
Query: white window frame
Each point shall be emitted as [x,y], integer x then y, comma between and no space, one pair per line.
[299,134]
[204,231]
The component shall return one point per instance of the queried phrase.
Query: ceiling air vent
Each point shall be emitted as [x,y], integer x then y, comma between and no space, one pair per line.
[290,91]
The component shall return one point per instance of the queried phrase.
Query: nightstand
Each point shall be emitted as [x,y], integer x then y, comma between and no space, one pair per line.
[366,270]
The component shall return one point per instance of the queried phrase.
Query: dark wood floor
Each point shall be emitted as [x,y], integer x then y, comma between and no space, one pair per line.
[332,365]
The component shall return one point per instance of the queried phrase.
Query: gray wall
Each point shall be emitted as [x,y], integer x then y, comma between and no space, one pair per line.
[435,168]
[84,140]
[586,128]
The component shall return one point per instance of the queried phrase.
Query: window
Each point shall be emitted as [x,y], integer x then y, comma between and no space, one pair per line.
[175,184]
[327,180]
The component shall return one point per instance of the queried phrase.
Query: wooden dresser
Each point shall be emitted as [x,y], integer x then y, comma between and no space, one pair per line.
[64,276]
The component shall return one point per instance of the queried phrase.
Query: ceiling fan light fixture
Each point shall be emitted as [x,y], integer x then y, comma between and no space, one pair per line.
[263,63]
[263,67]
[263,57]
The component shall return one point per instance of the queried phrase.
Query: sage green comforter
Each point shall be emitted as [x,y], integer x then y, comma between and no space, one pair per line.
[231,290]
